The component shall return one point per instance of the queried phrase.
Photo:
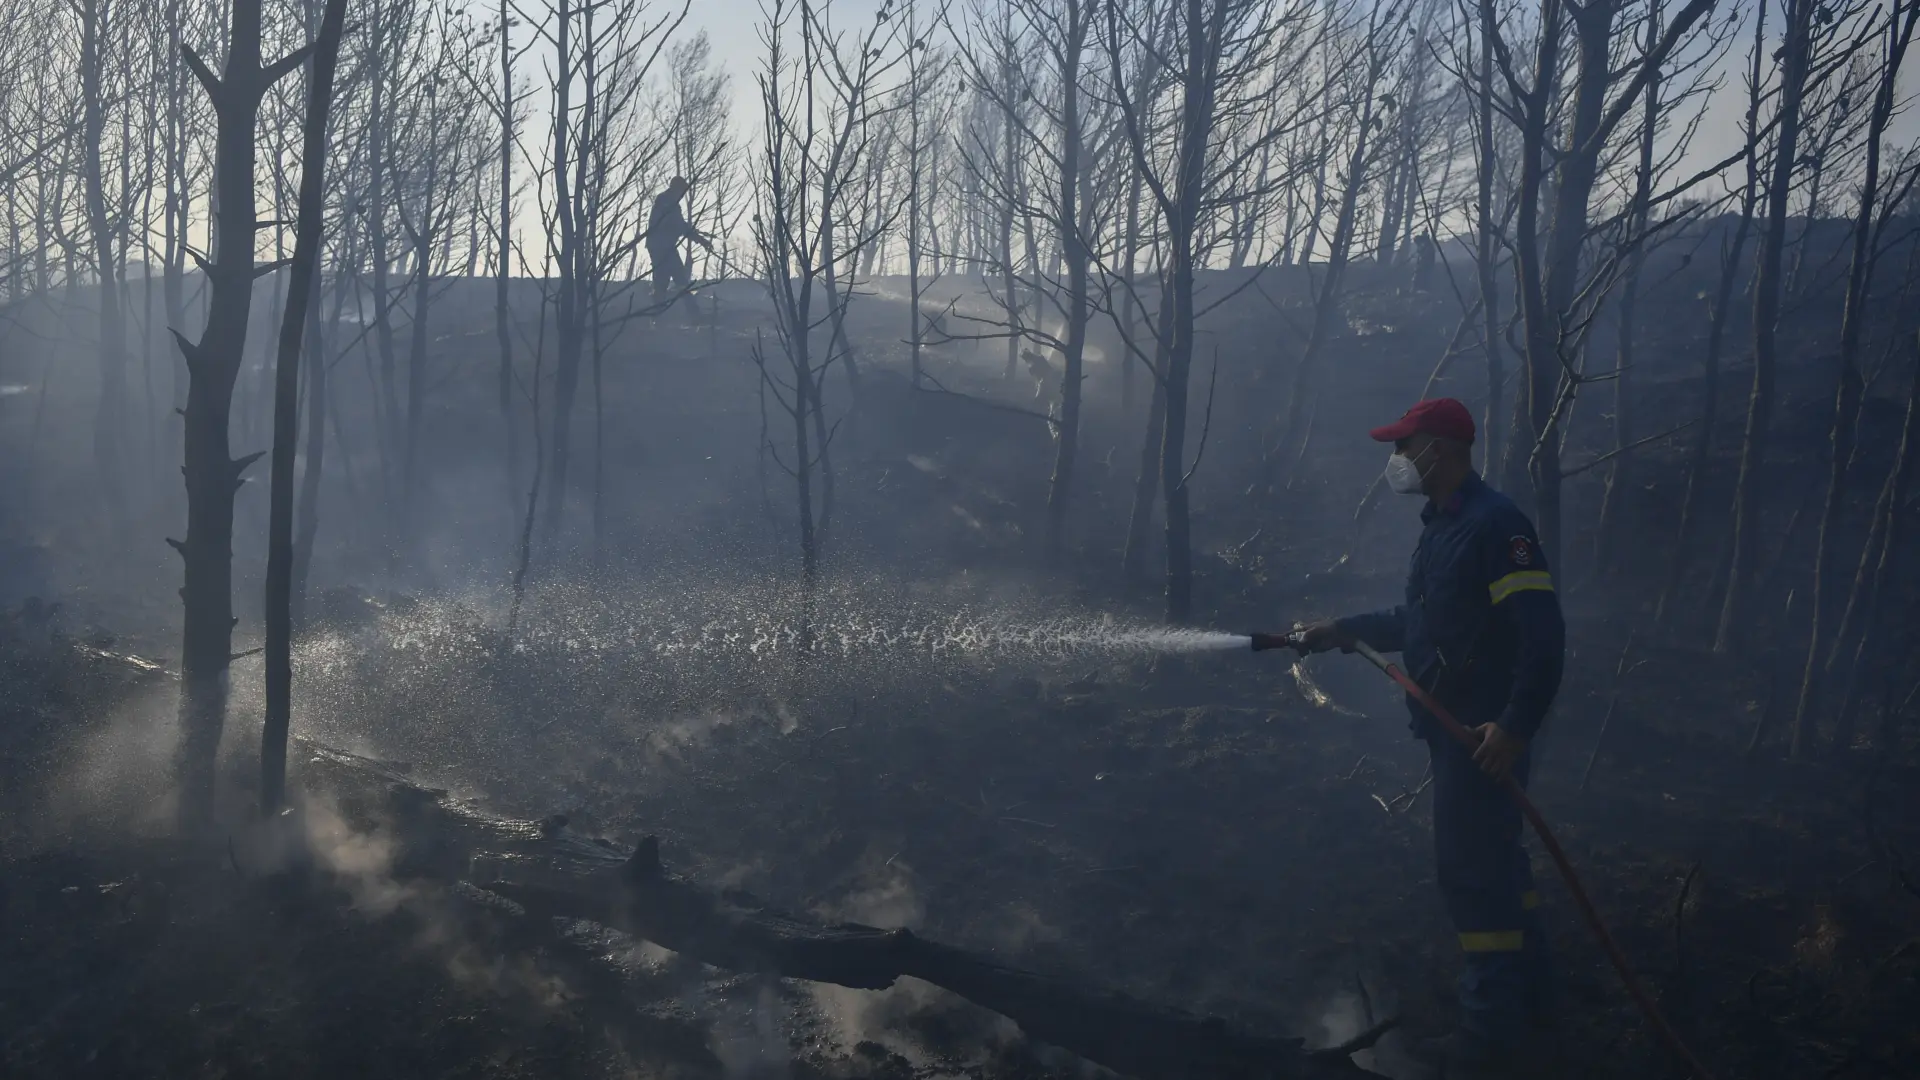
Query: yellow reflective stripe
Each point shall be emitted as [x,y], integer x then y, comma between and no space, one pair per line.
[1494,941]
[1521,581]
[1529,900]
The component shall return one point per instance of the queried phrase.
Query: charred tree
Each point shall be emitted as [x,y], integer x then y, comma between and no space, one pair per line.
[1795,57]
[213,364]
[1733,269]
[1849,385]
[1488,241]
[1146,488]
[1219,51]
[503,255]
[1011,91]
[424,230]
[1379,47]
[174,204]
[813,161]
[286,403]
[1071,222]
[567,321]
[381,60]
[1619,475]
[540,872]
[313,462]
[1881,563]
[1205,28]
[919,72]
[1552,282]
[111,417]
[1054,146]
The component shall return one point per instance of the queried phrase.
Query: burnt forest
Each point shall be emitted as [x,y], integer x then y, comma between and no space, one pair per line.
[807,539]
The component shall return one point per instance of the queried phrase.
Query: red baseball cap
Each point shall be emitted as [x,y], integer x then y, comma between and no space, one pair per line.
[1443,418]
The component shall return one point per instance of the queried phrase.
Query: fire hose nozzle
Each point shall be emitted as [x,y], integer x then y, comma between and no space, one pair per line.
[1266,642]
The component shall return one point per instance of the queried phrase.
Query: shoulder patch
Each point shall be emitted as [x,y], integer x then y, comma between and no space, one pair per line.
[1520,551]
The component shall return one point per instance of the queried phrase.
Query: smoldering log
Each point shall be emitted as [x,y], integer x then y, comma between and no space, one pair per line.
[551,869]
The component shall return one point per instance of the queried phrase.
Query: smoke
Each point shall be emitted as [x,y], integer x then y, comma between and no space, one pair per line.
[748,1037]
[1022,927]
[118,776]
[1349,1013]
[883,893]
[359,858]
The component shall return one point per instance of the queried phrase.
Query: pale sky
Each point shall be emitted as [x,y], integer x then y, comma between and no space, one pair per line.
[732,27]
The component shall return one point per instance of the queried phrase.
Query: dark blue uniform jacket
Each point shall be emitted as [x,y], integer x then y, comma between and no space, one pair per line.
[1481,628]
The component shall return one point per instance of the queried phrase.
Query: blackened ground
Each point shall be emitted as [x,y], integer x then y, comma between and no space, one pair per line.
[1222,831]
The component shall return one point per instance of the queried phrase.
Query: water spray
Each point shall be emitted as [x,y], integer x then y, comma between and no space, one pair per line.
[651,664]
[1296,640]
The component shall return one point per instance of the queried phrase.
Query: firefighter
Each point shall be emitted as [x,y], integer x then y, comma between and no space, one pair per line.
[1481,631]
[666,228]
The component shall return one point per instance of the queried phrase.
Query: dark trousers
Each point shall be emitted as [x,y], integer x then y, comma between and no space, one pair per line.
[669,271]
[1487,882]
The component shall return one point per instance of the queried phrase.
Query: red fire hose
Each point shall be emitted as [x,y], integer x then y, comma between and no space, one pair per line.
[1461,735]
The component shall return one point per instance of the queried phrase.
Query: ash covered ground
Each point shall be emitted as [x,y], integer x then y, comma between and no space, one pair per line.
[992,748]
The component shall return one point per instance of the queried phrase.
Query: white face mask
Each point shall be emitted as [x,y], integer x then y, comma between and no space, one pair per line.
[1403,475]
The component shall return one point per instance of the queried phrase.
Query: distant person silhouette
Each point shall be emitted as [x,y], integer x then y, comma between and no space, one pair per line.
[666,228]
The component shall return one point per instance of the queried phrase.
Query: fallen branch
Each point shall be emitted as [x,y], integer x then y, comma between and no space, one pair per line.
[1404,801]
[1363,1041]
[983,402]
[550,871]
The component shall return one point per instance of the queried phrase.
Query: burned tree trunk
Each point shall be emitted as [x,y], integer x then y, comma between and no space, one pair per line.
[1010,179]
[567,315]
[1749,489]
[1551,289]
[545,870]
[387,402]
[307,518]
[1878,569]
[1553,285]
[286,404]
[422,238]
[110,421]
[916,202]
[1488,246]
[503,270]
[1205,40]
[1146,488]
[1130,315]
[174,205]
[1619,470]
[213,364]
[1071,214]
[1848,383]
[1540,343]
[839,344]
[809,156]
[1732,268]
[1293,438]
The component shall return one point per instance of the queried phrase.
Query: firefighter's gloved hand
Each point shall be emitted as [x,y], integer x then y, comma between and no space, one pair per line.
[1322,636]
